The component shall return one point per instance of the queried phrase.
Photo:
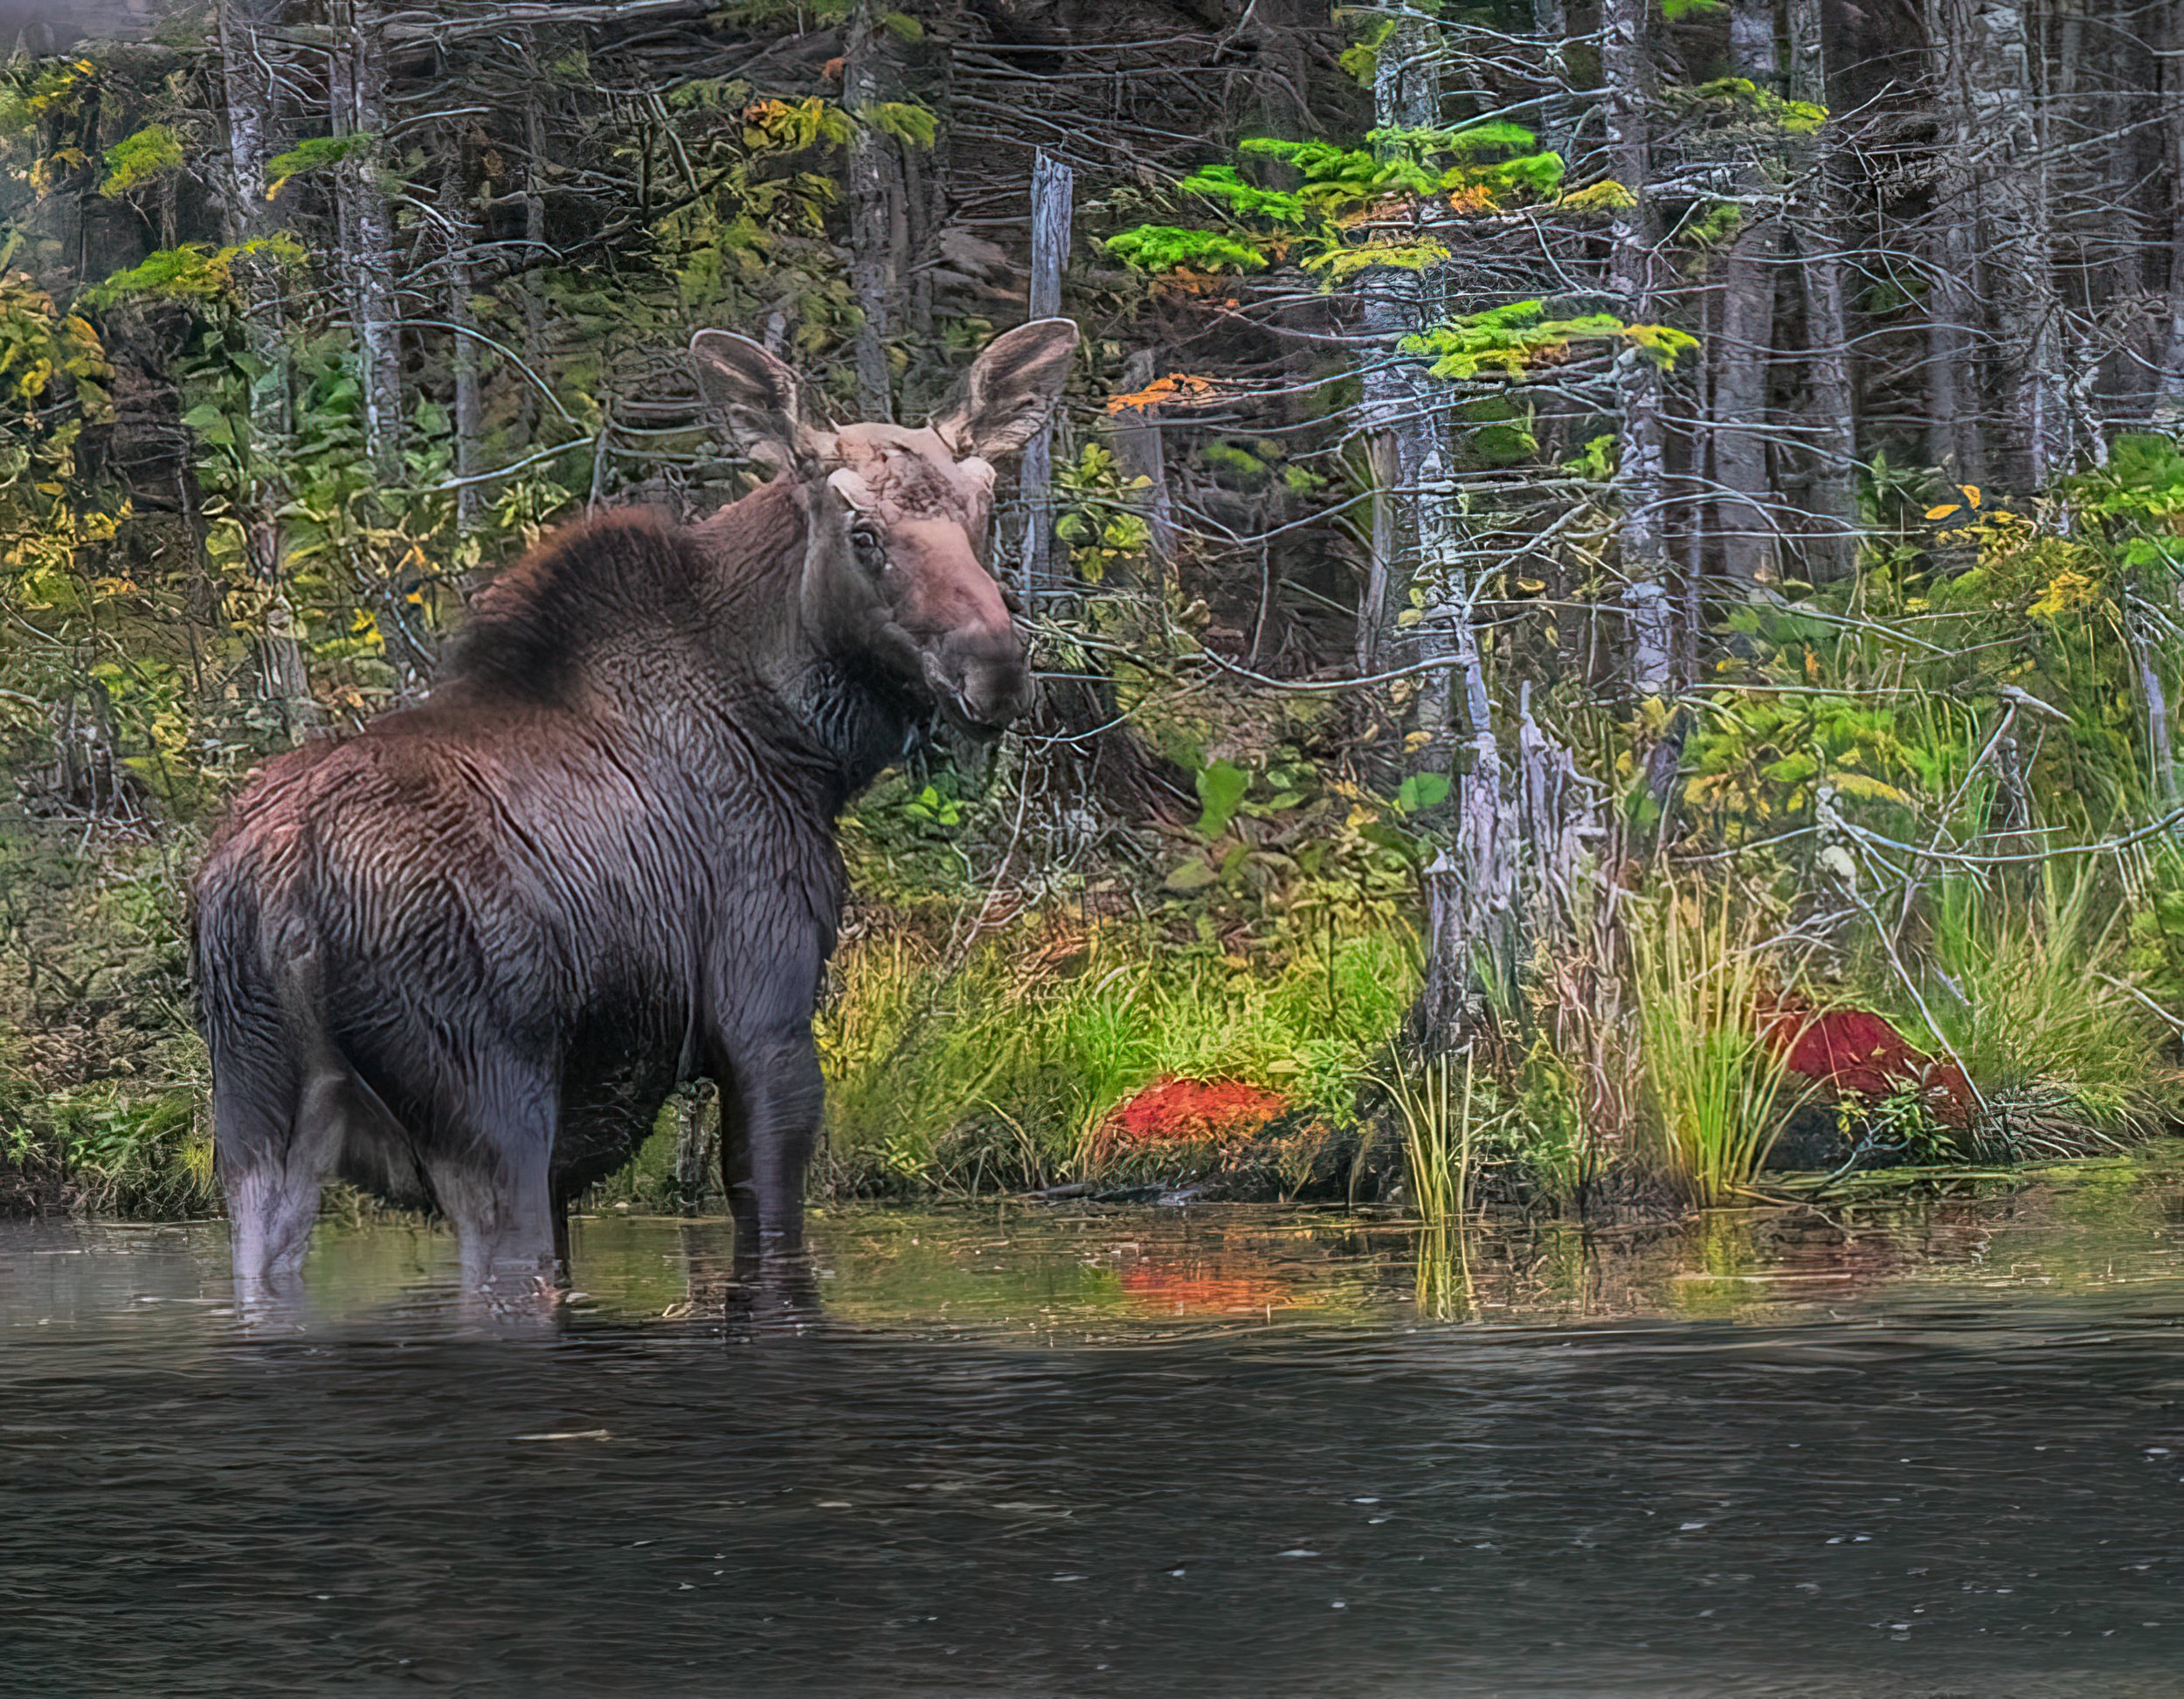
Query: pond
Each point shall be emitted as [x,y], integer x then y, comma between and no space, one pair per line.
[1921,1446]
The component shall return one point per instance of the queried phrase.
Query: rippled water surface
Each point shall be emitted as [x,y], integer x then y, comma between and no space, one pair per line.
[1929,1446]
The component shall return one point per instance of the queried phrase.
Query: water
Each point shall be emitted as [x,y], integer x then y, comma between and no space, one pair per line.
[1928,1448]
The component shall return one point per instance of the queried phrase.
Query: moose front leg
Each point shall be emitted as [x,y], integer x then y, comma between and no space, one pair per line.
[771,1101]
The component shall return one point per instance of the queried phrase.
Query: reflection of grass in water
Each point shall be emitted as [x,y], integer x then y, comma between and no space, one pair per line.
[1443,1285]
[2074,1230]
[1720,1248]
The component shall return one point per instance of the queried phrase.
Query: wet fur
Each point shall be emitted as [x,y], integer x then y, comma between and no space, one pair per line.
[465,953]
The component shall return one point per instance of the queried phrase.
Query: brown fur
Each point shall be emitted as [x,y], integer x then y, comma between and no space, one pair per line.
[462,957]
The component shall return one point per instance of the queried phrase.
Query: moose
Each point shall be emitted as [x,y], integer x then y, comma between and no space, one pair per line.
[461,957]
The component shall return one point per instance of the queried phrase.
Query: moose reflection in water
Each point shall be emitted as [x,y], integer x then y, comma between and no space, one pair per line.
[461,957]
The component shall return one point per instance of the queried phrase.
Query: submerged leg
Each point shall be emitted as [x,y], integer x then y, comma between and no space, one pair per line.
[780,1097]
[735,1174]
[494,1180]
[273,1143]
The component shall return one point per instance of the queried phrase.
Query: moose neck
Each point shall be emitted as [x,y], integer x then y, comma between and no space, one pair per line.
[838,711]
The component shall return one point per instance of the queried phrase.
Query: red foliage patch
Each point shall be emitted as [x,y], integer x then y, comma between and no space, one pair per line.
[1172,1111]
[1855,1052]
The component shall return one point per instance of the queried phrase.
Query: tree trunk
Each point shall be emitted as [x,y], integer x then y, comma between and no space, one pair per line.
[2168,398]
[534,148]
[1558,120]
[879,209]
[460,233]
[1641,475]
[1744,354]
[1140,453]
[1831,424]
[1052,199]
[251,60]
[1992,120]
[358,86]
[1955,378]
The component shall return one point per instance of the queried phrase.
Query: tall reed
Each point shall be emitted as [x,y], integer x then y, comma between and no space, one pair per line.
[1714,1090]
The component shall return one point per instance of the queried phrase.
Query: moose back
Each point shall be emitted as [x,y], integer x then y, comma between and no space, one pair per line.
[461,957]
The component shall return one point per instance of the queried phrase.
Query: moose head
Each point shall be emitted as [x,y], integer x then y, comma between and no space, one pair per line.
[896,519]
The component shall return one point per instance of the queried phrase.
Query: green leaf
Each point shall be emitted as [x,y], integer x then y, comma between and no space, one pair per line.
[152,152]
[1421,792]
[1221,785]
[905,120]
[209,422]
[1194,875]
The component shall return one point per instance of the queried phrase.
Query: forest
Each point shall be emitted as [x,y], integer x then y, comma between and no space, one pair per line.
[1607,592]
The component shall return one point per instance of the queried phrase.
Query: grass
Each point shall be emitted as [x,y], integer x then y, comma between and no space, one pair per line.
[1438,1121]
[1715,1093]
[2028,991]
[111,1151]
[998,1067]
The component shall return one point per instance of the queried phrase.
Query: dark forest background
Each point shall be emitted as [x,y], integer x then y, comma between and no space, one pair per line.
[1580,531]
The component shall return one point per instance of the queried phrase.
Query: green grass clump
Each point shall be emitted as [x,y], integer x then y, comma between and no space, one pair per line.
[1716,1093]
[112,1150]
[999,1065]
[2028,992]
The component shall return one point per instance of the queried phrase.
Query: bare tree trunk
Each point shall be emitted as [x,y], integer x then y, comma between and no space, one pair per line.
[534,242]
[1831,422]
[2168,397]
[2020,213]
[1404,97]
[1746,346]
[1053,200]
[359,87]
[252,63]
[459,232]
[1954,367]
[1641,477]
[1992,126]
[879,209]
[1557,119]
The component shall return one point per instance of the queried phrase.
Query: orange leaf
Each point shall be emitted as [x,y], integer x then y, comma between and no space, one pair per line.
[1944,510]
[1179,389]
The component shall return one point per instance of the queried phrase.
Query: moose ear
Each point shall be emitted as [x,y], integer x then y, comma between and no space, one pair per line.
[759,399]
[1010,392]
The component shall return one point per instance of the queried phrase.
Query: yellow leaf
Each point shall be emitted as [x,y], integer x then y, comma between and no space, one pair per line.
[1943,511]
[1409,616]
[1530,586]
[1416,741]
[1971,494]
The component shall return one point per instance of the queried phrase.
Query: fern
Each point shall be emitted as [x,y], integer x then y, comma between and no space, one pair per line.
[1169,247]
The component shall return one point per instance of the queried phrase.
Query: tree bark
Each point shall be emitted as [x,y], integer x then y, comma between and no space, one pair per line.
[252,62]
[879,209]
[1831,423]
[460,233]
[1052,199]
[1955,371]
[358,88]
[1140,453]
[2168,397]
[1641,475]
[1743,356]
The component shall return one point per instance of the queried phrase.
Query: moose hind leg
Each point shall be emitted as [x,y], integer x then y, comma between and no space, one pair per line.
[274,1144]
[494,1180]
